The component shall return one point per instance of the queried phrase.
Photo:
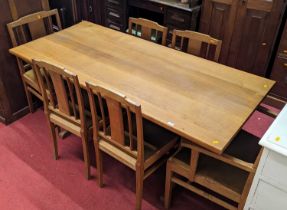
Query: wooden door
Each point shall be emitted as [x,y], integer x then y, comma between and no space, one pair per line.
[217,20]
[254,34]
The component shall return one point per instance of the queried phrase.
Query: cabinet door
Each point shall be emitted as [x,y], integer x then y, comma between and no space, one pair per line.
[90,10]
[254,33]
[98,11]
[217,20]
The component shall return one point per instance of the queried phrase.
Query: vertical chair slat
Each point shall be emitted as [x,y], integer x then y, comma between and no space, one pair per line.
[102,113]
[72,97]
[130,127]
[47,82]
[60,90]
[181,42]
[37,29]
[117,123]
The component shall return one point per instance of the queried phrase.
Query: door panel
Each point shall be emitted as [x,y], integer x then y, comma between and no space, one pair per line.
[254,33]
[217,20]
[249,40]
[262,5]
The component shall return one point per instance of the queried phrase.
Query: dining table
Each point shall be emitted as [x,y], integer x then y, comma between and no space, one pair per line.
[202,101]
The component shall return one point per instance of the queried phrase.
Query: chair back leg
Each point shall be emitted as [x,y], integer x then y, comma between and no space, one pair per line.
[86,154]
[99,162]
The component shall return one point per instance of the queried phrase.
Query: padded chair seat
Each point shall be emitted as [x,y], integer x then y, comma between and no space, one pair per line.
[155,139]
[31,79]
[67,122]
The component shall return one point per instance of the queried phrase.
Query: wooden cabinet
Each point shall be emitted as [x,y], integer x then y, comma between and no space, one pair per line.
[115,14]
[247,28]
[12,97]
[169,15]
[279,70]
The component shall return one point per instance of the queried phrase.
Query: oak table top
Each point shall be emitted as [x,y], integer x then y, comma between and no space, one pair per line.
[204,102]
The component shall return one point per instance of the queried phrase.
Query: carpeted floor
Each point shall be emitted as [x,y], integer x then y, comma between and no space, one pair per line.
[31,179]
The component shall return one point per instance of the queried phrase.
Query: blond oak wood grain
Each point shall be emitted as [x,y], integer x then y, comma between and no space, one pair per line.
[198,99]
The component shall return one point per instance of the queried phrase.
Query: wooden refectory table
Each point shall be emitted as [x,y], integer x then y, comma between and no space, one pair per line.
[200,100]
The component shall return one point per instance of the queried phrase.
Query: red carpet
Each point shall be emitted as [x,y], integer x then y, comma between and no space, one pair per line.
[31,179]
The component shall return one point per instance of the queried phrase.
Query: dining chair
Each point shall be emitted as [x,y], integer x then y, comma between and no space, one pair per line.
[148,30]
[135,142]
[198,44]
[223,179]
[26,29]
[64,105]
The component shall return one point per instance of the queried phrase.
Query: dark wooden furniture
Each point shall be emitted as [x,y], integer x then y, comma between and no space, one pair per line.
[25,29]
[135,142]
[224,179]
[198,44]
[68,11]
[63,105]
[167,13]
[279,69]
[247,29]
[115,14]
[12,96]
[91,10]
[148,30]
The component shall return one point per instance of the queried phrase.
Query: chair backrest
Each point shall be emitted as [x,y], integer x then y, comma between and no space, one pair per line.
[198,44]
[61,92]
[148,30]
[33,26]
[119,108]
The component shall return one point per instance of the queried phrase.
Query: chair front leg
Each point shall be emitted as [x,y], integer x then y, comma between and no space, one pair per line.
[29,97]
[168,186]
[52,129]
[139,185]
